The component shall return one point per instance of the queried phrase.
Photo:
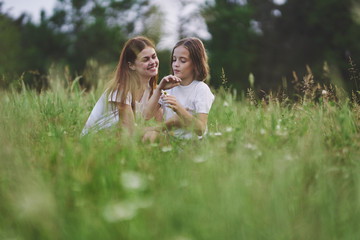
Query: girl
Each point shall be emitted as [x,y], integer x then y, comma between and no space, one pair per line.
[186,106]
[134,82]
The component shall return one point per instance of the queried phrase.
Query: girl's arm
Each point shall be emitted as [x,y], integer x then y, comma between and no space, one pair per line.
[152,106]
[184,118]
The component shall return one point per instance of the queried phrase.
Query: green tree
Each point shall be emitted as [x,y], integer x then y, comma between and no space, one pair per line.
[97,30]
[300,33]
[10,48]
[232,43]
[42,46]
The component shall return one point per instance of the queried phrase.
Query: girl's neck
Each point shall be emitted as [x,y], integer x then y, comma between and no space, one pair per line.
[186,82]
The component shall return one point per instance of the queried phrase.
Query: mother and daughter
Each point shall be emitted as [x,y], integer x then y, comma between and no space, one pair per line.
[181,101]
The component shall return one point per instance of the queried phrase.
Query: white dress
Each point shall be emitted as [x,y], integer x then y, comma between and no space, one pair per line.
[195,97]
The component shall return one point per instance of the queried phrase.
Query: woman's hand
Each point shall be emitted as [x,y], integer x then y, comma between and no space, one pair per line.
[168,82]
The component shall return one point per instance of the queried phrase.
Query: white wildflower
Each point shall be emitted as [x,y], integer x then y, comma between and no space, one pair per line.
[262,131]
[228,129]
[120,211]
[199,159]
[250,146]
[166,148]
[212,134]
[125,210]
[133,180]
[226,104]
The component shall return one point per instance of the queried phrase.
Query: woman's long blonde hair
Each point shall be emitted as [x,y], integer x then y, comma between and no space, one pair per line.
[125,80]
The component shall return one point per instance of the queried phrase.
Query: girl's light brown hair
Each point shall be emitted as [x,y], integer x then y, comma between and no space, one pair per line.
[197,54]
[125,80]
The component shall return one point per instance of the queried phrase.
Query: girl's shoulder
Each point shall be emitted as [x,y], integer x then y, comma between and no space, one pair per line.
[201,86]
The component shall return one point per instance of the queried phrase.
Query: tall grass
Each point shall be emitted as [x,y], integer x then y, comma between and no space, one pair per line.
[271,170]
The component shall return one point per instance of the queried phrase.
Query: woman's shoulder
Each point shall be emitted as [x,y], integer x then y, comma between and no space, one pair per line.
[115,96]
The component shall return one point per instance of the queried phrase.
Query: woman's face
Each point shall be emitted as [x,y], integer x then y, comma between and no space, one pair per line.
[182,65]
[146,64]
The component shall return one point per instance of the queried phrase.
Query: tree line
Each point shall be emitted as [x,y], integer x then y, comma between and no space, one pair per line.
[274,42]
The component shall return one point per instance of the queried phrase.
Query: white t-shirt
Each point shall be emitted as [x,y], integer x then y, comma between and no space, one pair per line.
[106,115]
[195,97]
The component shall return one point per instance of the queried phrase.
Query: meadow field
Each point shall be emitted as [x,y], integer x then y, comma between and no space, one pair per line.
[272,169]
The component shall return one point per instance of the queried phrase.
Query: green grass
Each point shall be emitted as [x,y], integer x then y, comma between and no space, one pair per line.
[270,172]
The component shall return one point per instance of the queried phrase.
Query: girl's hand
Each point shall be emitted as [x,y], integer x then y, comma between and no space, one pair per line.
[171,102]
[168,82]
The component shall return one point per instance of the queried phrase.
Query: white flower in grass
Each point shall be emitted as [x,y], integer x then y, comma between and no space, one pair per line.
[213,134]
[120,211]
[166,148]
[226,104]
[250,146]
[125,210]
[133,181]
[324,92]
[281,132]
[199,159]
[262,131]
[228,129]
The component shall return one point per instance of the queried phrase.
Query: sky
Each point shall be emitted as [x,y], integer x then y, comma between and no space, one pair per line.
[33,8]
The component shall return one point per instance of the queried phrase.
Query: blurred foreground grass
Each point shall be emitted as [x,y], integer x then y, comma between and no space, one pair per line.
[271,172]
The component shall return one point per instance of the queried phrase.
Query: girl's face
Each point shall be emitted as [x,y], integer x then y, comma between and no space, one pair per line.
[182,65]
[146,64]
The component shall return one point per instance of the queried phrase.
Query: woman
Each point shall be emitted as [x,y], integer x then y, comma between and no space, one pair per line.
[186,106]
[134,82]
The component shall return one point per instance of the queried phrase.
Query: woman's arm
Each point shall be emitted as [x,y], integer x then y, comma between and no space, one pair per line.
[126,117]
[159,115]
[152,106]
